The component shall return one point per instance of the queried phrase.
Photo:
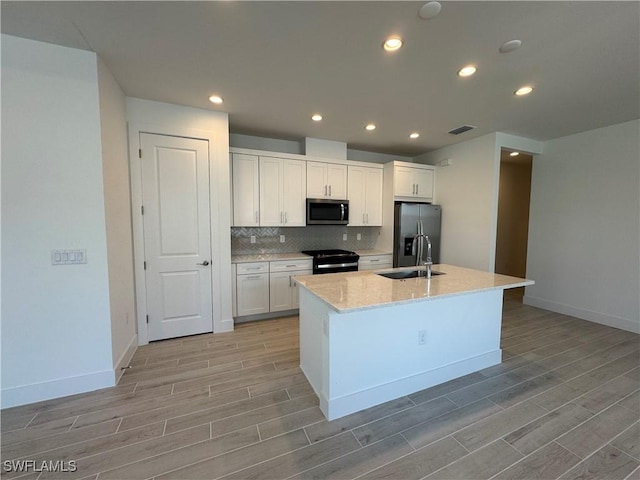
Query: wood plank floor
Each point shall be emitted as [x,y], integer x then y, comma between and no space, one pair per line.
[564,403]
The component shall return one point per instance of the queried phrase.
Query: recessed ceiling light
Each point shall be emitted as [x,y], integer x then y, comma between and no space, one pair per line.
[510,46]
[514,154]
[526,90]
[429,10]
[414,135]
[215,99]
[370,127]
[467,71]
[392,44]
[316,117]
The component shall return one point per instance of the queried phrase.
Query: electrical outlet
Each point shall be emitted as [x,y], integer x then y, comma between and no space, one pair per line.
[358,236]
[281,238]
[344,237]
[253,239]
[422,337]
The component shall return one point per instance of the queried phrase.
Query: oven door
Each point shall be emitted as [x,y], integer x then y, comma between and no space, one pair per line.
[335,267]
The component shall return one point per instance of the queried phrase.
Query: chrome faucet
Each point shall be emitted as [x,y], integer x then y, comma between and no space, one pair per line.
[419,261]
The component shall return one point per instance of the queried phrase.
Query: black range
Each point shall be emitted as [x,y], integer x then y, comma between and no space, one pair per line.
[333,261]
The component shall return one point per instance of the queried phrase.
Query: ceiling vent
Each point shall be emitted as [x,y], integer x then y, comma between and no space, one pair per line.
[462,129]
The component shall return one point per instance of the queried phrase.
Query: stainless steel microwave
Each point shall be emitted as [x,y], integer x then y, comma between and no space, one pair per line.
[324,211]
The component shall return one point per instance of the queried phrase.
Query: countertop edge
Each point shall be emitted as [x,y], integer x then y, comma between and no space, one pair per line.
[514,283]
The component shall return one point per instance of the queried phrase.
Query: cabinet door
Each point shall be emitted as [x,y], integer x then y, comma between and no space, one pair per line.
[317,180]
[253,294]
[424,183]
[294,185]
[337,181]
[244,170]
[356,196]
[373,196]
[280,287]
[271,213]
[403,182]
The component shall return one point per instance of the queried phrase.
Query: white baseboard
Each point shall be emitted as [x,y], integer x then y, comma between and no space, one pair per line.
[125,358]
[591,316]
[35,392]
[339,407]
[226,325]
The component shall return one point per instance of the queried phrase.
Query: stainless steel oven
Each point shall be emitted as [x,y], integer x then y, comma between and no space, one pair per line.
[333,261]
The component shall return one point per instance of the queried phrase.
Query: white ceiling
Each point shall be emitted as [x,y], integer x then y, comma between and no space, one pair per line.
[276,63]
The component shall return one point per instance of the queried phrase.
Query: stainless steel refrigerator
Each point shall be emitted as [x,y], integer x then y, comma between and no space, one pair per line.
[409,220]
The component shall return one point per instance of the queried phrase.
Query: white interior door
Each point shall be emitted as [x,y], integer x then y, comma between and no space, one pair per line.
[177,235]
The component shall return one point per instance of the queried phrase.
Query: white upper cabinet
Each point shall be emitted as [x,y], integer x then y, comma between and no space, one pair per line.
[414,182]
[326,180]
[282,192]
[365,196]
[246,205]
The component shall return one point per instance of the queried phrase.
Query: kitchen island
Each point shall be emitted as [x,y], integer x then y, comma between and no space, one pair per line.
[366,339]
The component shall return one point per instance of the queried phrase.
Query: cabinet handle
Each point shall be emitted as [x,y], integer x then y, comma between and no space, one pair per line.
[286,217]
[254,277]
[253,268]
[290,281]
[329,190]
[417,188]
[367,218]
[325,190]
[375,260]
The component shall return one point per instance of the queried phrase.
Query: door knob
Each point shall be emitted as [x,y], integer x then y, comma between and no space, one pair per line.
[205,263]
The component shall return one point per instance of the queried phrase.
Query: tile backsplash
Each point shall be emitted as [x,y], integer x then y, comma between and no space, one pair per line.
[312,237]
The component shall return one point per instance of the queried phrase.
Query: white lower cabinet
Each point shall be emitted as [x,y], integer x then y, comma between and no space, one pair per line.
[264,287]
[283,290]
[252,288]
[374,262]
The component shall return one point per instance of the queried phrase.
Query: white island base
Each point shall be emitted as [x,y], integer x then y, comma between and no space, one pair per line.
[360,358]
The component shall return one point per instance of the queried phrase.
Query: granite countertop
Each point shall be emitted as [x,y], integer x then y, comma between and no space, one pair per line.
[272,257]
[365,289]
[269,257]
[364,253]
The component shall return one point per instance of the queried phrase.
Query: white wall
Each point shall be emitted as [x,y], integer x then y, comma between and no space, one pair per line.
[584,247]
[467,190]
[56,336]
[297,147]
[167,119]
[117,199]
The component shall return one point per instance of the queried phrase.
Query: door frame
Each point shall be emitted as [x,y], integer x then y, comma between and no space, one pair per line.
[220,212]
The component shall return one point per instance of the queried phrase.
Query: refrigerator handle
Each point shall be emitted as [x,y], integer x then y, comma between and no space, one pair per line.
[421,246]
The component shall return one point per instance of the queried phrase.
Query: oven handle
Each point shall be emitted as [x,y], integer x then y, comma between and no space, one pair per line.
[337,265]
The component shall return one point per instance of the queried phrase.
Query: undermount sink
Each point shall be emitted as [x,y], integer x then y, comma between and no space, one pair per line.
[401,275]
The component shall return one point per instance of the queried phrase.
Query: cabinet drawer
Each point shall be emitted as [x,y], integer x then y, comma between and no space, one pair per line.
[255,267]
[290,265]
[372,262]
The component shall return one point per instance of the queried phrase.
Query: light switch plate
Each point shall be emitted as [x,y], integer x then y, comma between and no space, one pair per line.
[69,257]
[281,238]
